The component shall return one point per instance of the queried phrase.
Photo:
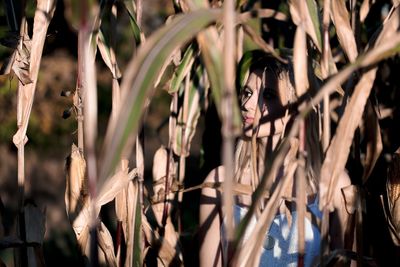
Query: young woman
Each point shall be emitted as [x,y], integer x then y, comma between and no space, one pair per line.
[266,98]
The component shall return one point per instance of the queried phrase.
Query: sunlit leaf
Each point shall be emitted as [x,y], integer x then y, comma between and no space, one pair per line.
[340,17]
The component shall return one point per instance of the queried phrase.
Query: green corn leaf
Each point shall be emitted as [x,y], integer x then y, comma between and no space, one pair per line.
[131,9]
[139,79]
[316,20]
[182,70]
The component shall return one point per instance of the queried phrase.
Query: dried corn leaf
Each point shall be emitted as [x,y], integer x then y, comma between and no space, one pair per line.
[120,208]
[113,186]
[125,205]
[300,62]
[44,13]
[105,243]
[364,10]
[393,198]
[163,180]
[338,151]
[311,20]
[374,140]
[340,18]
[106,254]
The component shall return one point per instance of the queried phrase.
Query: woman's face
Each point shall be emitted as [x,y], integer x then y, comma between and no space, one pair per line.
[272,103]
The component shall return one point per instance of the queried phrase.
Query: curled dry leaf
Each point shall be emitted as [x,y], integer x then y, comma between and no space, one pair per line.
[19,60]
[22,60]
[76,193]
[105,243]
[113,186]
[374,140]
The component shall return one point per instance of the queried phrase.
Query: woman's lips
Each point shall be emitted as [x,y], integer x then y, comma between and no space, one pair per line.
[248,120]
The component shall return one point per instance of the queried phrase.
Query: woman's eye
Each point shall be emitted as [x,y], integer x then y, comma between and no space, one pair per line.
[247,94]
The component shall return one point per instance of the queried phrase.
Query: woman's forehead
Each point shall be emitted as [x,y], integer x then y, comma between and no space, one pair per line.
[263,78]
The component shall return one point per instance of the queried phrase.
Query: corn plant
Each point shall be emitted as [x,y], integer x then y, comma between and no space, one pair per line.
[194,57]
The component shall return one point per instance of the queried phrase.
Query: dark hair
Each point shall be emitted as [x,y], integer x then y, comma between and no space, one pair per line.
[259,60]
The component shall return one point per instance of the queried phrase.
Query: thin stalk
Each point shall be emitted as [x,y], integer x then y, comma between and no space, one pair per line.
[20,112]
[116,94]
[240,39]
[78,94]
[182,158]
[172,130]
[87,78]
[140,168]
[43,14]
[229,57]
[325,73]
[355,21]
[301,195]
[139,11]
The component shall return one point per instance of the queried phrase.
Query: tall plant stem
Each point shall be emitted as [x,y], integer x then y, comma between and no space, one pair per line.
[139,12]
[87,82]
[182,158]
[325,73]
[301,194]
[229,57]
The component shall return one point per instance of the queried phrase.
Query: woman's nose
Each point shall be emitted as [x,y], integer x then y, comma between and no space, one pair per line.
[251,103]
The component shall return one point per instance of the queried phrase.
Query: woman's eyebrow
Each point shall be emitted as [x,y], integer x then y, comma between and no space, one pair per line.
[247,87]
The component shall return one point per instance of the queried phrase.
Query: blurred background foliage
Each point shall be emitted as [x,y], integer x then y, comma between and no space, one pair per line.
[50,135]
